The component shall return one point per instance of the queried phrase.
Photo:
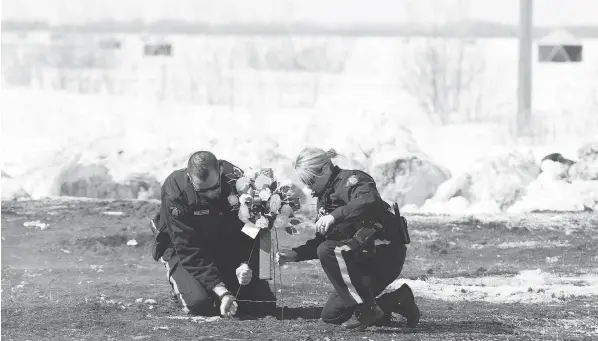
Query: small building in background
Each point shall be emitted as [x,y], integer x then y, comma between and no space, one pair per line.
[560,46]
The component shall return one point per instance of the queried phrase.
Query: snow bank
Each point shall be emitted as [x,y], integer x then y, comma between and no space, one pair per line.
[564,187]
[384,147]
[493,183]
[12,189]
[586,168]
[528,287]
[408,180]
[514,182]
[103,146]
[502,178]
[124,148]
[546,194]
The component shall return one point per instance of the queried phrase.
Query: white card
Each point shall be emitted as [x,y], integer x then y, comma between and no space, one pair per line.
[251,230]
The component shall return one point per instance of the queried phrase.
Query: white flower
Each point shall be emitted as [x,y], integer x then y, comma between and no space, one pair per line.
[245,199]
[282,221]
[285,183]
[265,194]
[262,222]
[243,184]
[233,200]
[275,203]
[269,172]
[286,210]
[262,182]
[244,214]
[253,173]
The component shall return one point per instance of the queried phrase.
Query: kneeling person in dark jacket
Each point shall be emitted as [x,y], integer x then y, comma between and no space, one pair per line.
[358,243]
[199,240]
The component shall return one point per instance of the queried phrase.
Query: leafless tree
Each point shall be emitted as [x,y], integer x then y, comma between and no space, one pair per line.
[301,61]
[441,73]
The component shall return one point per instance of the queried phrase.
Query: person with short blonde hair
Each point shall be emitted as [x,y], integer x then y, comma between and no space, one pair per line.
[360,243]
[311,161]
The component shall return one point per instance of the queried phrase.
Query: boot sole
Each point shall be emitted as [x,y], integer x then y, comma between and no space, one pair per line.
[363,327]
[384,321]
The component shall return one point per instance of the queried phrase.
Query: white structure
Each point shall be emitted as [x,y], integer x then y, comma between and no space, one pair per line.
[560,46]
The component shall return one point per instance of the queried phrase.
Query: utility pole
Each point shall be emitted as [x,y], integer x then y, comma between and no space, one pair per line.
[524,90]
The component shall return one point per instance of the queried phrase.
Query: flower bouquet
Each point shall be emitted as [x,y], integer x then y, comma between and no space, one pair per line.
[265,203]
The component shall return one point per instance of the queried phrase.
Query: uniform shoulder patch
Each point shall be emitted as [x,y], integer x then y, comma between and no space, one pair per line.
[237,171]
[175,212]
[352,181]
[234,175]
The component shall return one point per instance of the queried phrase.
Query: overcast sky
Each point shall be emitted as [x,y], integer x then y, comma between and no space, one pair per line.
[547,12]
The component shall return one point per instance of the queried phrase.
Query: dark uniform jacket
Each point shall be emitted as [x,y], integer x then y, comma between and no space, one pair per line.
[351,197]
[205,234]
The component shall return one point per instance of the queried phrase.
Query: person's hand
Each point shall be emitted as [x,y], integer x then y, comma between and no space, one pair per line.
[285,256]
[324,223]
[228,305]
[244,274]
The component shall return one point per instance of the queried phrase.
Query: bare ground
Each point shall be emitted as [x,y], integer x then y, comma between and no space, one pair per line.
[78,280]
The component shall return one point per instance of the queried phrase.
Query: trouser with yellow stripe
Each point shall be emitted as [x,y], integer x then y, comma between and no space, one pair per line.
[256,297]
[357,278]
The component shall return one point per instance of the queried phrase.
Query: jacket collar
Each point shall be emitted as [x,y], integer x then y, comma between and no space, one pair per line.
[336,170]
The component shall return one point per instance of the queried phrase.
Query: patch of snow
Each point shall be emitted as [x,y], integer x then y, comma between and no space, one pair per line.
[427,234]
[528,287]
[37,223]
[18,287]
[532,244]
[196,319]
[114,213]
[552,260]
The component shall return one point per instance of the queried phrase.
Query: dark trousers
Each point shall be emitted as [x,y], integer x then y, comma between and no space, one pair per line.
[196,300]
[357,278]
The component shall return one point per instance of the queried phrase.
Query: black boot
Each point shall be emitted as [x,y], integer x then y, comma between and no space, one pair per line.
[401,301]
[384,321]
[365,315]
[173,300]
